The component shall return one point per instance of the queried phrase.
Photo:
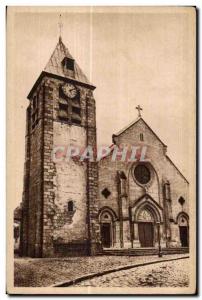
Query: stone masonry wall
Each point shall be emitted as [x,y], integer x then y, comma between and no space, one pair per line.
[162,170]
[70,185]
[92,180]
[25,197]
[50,185]
[48,170]
[69,180]
[32,221]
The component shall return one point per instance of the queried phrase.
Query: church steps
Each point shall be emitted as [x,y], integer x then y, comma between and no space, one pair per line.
[144,251]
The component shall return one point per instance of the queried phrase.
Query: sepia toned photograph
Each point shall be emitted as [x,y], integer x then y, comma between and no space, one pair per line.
[101,150]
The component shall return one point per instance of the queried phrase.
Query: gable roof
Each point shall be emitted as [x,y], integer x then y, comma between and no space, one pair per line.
[54,68]
[135,122]
[172,163]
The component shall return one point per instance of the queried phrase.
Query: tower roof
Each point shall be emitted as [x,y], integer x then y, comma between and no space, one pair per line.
[55,68]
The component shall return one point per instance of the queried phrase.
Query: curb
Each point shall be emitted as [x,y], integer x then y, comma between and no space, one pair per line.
[92,275]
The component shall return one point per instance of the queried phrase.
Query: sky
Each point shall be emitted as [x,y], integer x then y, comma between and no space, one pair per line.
[132,55]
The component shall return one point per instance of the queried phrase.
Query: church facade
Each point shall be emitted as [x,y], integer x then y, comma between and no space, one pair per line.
[73,207]
[144,202]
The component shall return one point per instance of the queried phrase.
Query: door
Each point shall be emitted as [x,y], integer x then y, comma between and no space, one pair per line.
[184,236]
[146,234]
[106,234]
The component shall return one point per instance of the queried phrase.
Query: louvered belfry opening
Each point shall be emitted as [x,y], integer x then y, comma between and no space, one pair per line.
[69,109]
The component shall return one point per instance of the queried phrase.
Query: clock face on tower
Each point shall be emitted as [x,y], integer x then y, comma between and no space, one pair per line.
[69,90]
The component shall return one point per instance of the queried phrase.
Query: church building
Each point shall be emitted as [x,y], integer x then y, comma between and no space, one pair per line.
[71,207]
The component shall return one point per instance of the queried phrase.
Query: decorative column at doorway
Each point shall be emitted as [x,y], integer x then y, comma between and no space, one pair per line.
[136,241]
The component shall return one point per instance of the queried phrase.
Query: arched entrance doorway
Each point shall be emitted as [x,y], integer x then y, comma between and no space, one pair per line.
[106,229]
[183,230]
[146,228]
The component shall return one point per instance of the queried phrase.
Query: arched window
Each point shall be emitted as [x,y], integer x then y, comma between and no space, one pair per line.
[70,206]
[183,223]
[106,217]
[106,229]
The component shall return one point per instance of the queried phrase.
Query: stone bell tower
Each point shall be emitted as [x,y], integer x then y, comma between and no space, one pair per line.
[60,197]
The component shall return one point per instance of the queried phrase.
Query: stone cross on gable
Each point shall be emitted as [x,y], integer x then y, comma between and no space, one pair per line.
[139,108]
[60,24]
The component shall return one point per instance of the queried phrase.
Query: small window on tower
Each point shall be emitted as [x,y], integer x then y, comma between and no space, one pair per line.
[35,111]
[70,206]
[68,63]
[141,137]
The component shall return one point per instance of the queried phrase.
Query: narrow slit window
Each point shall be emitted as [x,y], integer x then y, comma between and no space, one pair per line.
[70,206]
[141,137]
[35,111]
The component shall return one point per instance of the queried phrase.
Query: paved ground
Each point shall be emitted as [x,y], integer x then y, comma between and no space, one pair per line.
[165,274]
[46,271]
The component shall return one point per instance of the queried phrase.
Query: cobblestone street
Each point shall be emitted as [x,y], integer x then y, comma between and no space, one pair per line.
[170,274]
[50,271]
